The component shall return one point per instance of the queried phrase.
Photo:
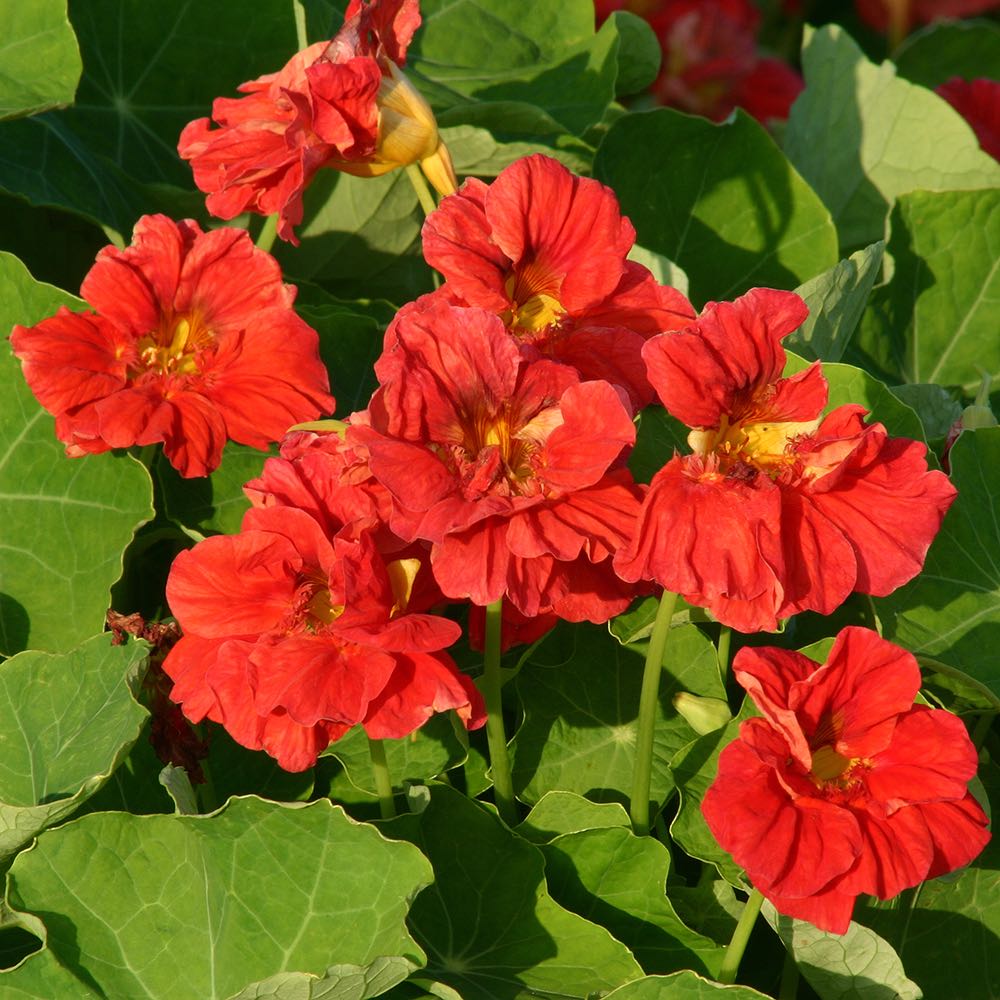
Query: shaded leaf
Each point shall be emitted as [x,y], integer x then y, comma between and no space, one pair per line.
[836,300]
[682,986]
[936,53]
[66,521]
[66,721]
[340,982]
[861,137]
[935,406]
[858,965]
[39,61]
[581,699]
[719,200]
[488,924]
[952,610]
[936,320]
[560,812]
[639,53]
[252,891]
[476,151]
[617,879]
[665,271]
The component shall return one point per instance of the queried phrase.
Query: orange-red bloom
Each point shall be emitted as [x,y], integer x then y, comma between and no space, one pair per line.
[193,341]
[546,251]
[844,787]
[291,637]
[342,104]
[505,465]
[777,511]
[978,102]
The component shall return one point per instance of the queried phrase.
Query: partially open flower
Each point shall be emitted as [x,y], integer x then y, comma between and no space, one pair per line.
[344,104]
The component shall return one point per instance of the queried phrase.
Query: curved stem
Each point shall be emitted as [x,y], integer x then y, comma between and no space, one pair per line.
[725,638]
[300,24]
[265,240]
[424,195]
[496,737]
[383,783]
[738,943]
[642,772]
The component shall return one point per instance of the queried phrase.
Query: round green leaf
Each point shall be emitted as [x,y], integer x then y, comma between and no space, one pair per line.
[581,699]
[682,986]
[66,722]
[936,53]
[719,200]
[489,925]
[66,522]
[560,812]
[252,891]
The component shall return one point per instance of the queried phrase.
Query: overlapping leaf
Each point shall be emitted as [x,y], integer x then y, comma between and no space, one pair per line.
[255,890]
[861,137]
[66,721]
[39,59]
[719,200]
[945,49]
[66,522]
[488,924]
[580,699]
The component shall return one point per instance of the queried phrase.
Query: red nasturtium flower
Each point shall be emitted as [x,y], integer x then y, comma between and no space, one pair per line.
[501,463]
[547,252]
[844,787]
[978,102]
[291,637]
[193,340]
[778,510]
[343,104]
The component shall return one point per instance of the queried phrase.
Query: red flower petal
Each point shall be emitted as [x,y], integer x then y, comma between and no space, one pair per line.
[978,102]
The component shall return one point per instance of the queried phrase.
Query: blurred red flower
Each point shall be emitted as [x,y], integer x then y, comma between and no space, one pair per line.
[879,14]
[342,104]
[978,102]
[844,787]
[291,637]
[193,341]
[777,511]
[711,63]
[502,464]
[546,251]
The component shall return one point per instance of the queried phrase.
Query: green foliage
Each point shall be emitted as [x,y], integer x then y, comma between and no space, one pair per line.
[39,59]
[65,523]
[581,699]
[862,137]
[254,890]
[489,926]
[935,321]
[682,986]
[66,722]
[951,612]
[944,49]
[719,200]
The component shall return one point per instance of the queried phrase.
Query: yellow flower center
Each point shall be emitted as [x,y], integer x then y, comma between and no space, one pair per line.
[172,349]
[533,291]
[765,445]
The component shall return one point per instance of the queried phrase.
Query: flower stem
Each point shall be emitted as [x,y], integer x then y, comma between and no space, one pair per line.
[383,783]
[503,784]
[641,775]
[725,637]
[301,37]
[265,240]
[738,943]
[424,195]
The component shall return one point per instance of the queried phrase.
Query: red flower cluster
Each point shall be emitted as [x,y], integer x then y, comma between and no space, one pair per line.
[710,59]
[506,464]
[978,102]
[777,511]
[343,104]
[547,252]
[311,620]
[193,341]
[844,787]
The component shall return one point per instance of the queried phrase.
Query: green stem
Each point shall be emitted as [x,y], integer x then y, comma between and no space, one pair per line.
[424,195]
[738,943]
[267,233]
[300,24]
[789,988]
[648,699]
[496,737]
[929,663]
[725,638]
[383,783]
